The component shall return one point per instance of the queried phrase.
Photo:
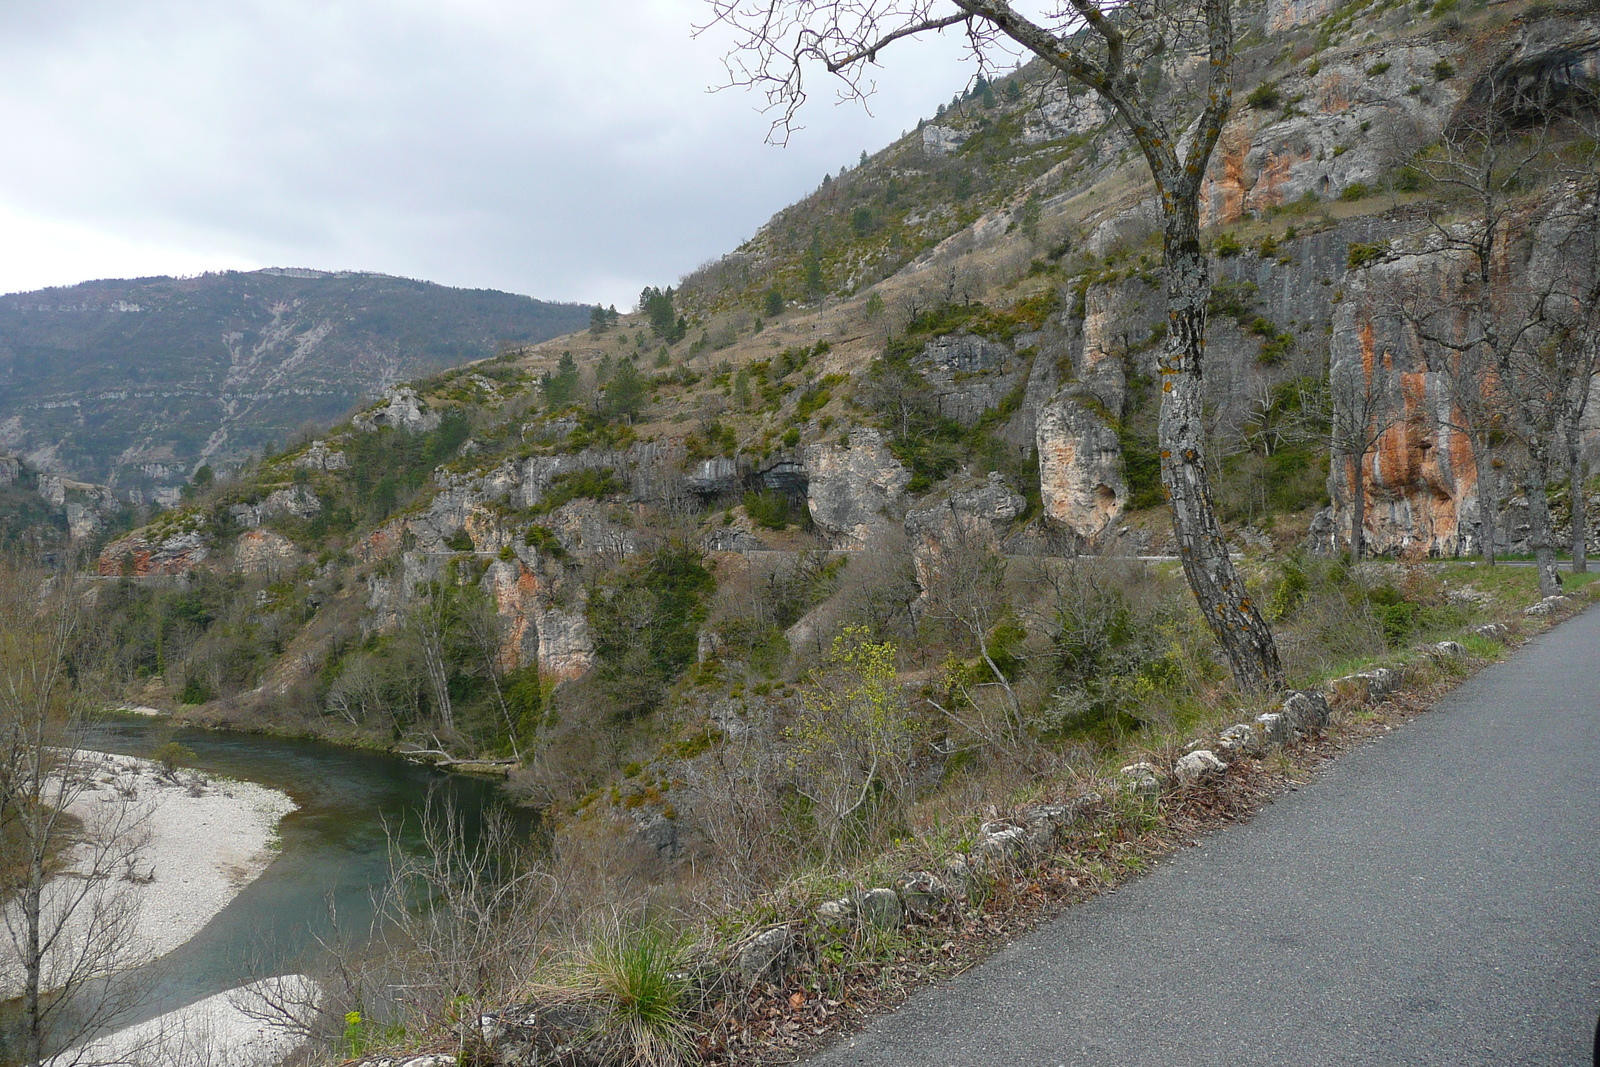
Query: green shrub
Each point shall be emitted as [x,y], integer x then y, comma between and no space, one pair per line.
[645,617]
[545,540]
[1264,97]
[1396,615]
[172,755]
[1443,70]
[1226,246]
[767,509]
[1354,191]
[1377,69]
[194,691]
[460,541]
[1362,254]
[587,484]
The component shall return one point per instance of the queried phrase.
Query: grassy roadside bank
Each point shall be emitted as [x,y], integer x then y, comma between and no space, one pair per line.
[816,955]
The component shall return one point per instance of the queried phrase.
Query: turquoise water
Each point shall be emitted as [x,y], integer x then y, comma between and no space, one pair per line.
[334,850]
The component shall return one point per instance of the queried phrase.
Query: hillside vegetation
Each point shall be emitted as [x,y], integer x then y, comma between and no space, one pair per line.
[777,584]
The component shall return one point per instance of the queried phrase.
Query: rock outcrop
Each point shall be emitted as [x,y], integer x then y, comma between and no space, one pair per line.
[971,520]
[264,552]
[1358,121]
[854,488]
[168,550]
[400,409]
[1080,470]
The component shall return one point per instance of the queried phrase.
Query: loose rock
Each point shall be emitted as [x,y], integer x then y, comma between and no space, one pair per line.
[1199,767]
[923,894]
[1240,740]
[1145,779]
[1306,711]
[1274,729]
[765,954]
[880,908]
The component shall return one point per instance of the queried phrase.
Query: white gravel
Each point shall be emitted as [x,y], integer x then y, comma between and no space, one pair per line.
[208,838]
[256,1025]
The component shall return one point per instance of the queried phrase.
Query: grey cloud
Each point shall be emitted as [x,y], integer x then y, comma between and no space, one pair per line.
[565,151]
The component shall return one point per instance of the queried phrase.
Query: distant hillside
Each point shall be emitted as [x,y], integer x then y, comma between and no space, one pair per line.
[133,383]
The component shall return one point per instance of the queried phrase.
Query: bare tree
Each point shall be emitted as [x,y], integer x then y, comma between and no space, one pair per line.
[1165,67]
[1364,409]
[71,845]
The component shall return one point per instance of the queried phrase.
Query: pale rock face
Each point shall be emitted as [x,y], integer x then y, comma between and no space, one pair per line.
[942,140]
[297,502]
[712,476]
[593,526]
[1287,14]
[853,488]
[264,552]
[1265,161]
[1080,470]
[83,522]
[1064,110]
[969,374]
[1125,229]
[10,470]
[402,409]
[1422,492]
[972,518]
[319,457]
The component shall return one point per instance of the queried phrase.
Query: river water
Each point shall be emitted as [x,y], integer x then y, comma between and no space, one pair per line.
[335,849]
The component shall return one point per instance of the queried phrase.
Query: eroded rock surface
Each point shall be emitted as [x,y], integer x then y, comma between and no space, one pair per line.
[1080,470]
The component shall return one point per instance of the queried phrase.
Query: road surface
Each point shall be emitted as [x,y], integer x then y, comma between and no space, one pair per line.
[1432,898]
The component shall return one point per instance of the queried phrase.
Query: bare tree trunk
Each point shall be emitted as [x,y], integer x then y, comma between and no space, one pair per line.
[1539,538]
[1578,495]
[1218,588]
[1488,500]
[1358,510]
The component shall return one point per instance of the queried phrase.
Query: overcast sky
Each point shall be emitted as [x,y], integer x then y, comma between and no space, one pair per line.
[566,150]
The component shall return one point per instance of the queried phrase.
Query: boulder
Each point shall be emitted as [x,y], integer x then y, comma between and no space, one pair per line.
[924,894]
[960,875]
[1306,711]
[880,908]
[1048,824]
[1239,741]
[1449,650]
[1199,767]
[767,954]
[1145,779]
[1274,729]
[1001,842]
[1493,631]
[837,914]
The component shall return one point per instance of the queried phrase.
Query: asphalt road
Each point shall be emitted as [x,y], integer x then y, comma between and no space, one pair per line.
[1431,898]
